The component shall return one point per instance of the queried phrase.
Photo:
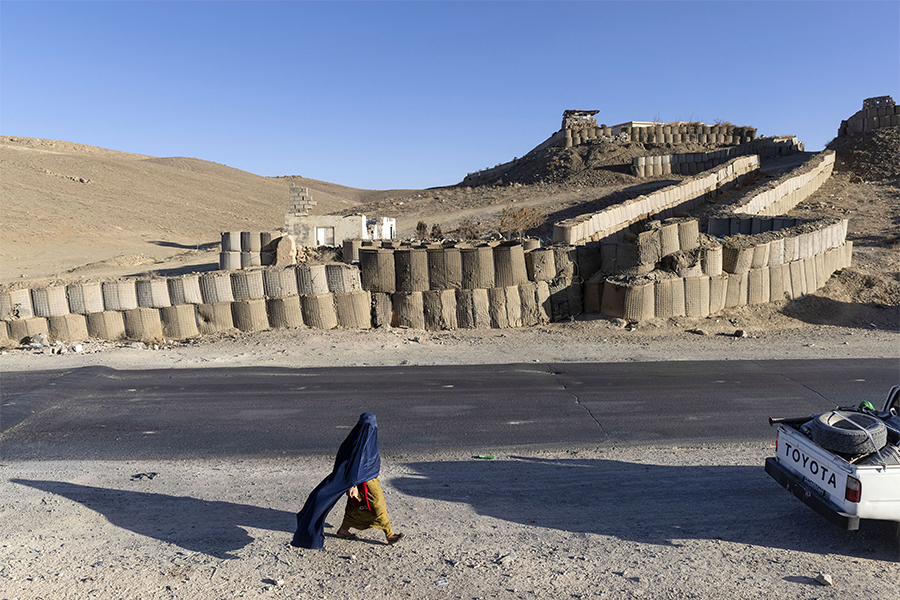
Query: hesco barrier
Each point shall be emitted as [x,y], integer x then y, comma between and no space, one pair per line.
[189,305]
[284,312]
[68,327]
[185,290]
[85,298]
[50,301]
[16,304]
[411,267]
[144,324]
[180,322]
[152,293]
[647,296]
[246,249]
[120,295]
[106,325]
[526,304]
[741,253]
[611,223]
[783,194]
[876,112]
[692,163]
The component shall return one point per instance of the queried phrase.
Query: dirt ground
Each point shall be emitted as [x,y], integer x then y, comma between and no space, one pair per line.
[603,522]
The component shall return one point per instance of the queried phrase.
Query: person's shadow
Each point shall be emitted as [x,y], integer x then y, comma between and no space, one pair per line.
[211,527]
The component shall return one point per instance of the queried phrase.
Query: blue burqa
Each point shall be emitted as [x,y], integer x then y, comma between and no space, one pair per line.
[357,460]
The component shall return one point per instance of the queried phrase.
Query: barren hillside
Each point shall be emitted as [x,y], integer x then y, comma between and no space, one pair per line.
[67,205]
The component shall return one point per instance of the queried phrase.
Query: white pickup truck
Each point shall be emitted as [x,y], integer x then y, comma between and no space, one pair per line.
[844,464]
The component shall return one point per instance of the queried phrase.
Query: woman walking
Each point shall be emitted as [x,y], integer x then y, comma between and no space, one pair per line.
[356,470]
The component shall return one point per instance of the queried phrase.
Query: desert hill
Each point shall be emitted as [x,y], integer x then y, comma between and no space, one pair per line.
[66,205]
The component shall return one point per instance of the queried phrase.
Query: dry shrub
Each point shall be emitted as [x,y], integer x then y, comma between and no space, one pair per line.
[469,229]
[421,230]
[514,222]
[436,232]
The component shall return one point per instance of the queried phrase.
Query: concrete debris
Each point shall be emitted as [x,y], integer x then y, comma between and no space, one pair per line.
[505,560]
[740,333]
[824,579]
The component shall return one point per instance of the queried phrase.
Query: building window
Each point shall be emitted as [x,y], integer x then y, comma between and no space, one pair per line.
[324,236]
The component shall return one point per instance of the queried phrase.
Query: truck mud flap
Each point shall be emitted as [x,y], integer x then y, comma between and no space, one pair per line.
[810,497]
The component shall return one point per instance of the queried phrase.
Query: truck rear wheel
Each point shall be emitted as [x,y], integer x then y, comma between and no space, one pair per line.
[864,435]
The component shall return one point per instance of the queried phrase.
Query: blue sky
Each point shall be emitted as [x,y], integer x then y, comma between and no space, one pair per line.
[387,95]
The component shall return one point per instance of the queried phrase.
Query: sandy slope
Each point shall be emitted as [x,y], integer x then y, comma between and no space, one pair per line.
[66,205]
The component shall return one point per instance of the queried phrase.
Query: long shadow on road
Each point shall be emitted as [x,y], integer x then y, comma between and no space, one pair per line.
[649,504]
[172,518]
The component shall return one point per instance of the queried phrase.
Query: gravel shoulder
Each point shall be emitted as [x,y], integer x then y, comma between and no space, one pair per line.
[671,523]
[652,522]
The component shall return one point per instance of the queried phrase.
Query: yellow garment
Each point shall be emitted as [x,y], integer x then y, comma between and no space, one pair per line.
[364,519]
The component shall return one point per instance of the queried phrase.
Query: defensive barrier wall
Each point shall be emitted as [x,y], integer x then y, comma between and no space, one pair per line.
[246,249]
[612,222]
[658,294]
[876,113]
[485,286]
[774,198]
[694,162]
[664,133]
[323,296]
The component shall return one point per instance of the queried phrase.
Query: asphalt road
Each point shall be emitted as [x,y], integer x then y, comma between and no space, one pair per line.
[102,413]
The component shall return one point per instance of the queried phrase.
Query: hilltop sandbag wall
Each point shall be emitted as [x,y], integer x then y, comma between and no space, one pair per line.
[876,113]
[319,296]
[586,131]
[664,133]
[694,162]
[246,249]
[611,223]
[777,197]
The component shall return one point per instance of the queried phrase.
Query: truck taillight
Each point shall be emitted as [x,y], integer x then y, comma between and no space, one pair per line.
[854,490]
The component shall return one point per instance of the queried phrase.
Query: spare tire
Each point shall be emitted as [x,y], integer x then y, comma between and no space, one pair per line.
[832,431]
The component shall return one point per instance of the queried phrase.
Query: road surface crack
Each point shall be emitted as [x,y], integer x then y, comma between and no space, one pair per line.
[578,402]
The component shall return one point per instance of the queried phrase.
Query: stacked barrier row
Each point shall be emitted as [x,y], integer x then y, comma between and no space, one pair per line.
[690,193]
[782,195]
[187,306]
[246,249]
[694,162]
[871,118]
[664,133]
[789,266]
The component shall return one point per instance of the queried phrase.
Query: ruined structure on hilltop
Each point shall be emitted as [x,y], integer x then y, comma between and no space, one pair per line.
[880,111]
